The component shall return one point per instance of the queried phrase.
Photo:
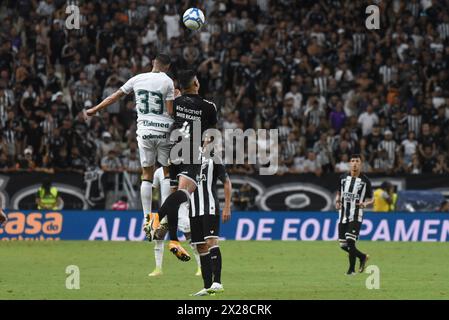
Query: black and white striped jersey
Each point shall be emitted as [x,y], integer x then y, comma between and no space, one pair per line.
[204,201]
[353,190]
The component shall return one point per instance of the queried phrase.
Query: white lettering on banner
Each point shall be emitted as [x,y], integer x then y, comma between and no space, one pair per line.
[368,224]
[100,231]
[132,231]
[115,229]
[402,234]
[326,228]
[287,229]
[316,230]
[428,230]
[444,231]
[382,232]
[240,228]
[261,229]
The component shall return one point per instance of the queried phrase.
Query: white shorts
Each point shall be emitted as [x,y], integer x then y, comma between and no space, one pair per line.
[153,146]
[183,218]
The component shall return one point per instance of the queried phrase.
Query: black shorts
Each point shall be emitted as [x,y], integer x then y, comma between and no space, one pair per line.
[204,227]
[191,171]
[349,230]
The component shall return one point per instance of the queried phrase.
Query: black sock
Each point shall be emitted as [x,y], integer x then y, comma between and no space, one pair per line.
[206,269]
[170,209]
[344,248]
[353,254]
[215,257]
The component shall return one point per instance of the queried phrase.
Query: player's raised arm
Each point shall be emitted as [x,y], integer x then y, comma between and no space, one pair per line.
[106,102]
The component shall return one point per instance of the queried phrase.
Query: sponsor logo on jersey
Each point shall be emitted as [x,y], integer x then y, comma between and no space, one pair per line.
[347,196]
[154,136]
[148,123]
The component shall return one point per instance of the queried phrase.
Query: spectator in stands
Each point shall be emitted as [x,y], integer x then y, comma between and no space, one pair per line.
[415,167]
[311,164]
[131,164]
[444,207]
[343,165]
[409,147]
[244,199]
[26,162]
[367,120]
[112,166]
[106,145]
[390,146]
[323,76]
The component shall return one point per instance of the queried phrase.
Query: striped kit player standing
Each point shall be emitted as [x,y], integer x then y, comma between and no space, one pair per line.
[205,223]
[355,194]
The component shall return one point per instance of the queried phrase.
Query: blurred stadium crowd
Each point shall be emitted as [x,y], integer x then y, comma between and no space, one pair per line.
[309,68]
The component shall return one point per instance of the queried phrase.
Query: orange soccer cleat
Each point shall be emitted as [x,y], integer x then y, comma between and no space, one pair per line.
[151,225]
[180,253]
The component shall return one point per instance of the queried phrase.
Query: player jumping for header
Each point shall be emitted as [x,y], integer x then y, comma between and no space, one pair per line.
[154,95]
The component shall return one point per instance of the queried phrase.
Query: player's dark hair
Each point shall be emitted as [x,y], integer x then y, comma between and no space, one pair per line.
[163,59]
[185,78]
[355,156]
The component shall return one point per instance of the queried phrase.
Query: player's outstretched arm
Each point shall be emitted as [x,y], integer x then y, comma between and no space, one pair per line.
[105,103]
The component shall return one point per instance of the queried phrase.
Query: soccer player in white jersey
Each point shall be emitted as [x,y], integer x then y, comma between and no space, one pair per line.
[163,184]
[154,95]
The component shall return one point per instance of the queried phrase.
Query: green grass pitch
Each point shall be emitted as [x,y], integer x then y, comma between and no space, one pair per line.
[251,270]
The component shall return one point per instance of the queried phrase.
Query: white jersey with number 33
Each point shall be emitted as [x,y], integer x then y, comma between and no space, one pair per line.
[151,90]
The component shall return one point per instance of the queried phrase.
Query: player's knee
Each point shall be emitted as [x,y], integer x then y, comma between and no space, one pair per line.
[343,244]
[202,248]
[212,242]
[147,173]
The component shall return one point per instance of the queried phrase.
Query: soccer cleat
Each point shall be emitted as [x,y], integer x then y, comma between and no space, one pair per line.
[151,224]
[159,233]
[216,287]
[351,273]
[363,263]
[156,272]
[202,293]
[198,272]
[180,253]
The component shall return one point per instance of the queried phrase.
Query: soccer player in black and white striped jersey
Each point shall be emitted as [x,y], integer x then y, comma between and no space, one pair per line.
[205,223]
[355,194]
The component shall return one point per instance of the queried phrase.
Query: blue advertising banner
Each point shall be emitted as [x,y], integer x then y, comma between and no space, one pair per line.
[294,226]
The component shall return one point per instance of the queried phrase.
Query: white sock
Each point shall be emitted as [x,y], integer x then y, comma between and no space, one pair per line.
[158,252]
[165,190]
[146,195]
[196,254]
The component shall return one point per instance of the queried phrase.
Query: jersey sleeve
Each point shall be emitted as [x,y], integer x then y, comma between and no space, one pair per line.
[342,177]
[222,175]
[128,86]
[369,190]
[212,115]
[170,90]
